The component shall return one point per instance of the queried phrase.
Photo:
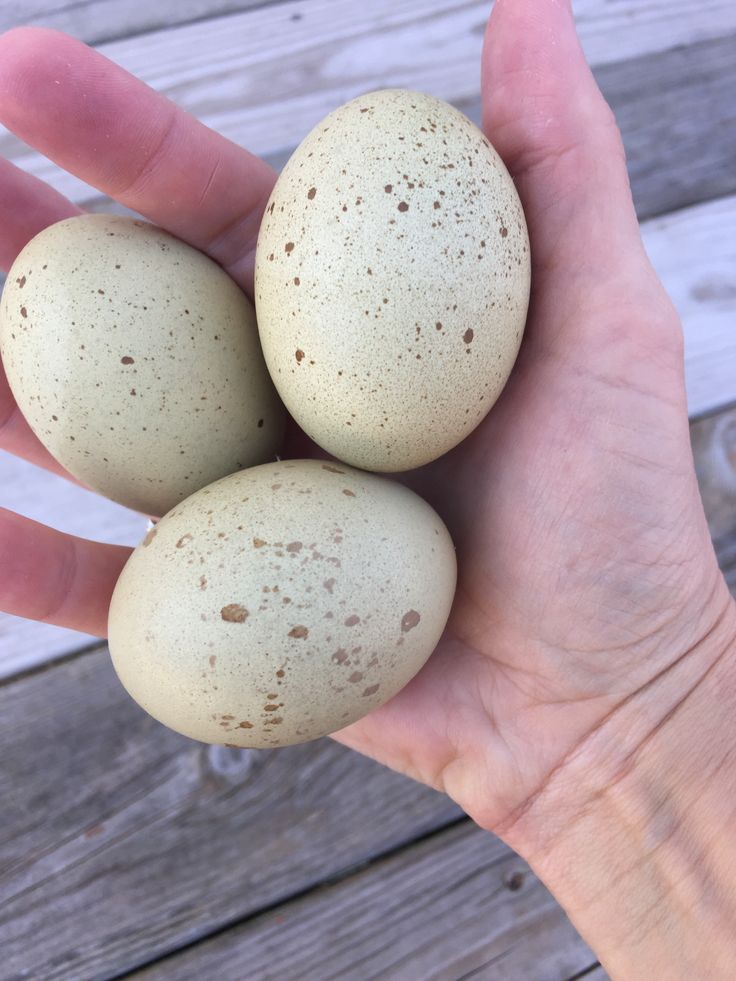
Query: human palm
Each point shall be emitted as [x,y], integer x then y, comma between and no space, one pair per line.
[585,566]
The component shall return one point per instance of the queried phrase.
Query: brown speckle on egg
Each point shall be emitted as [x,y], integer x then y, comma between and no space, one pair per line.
[234,613]
[410,620]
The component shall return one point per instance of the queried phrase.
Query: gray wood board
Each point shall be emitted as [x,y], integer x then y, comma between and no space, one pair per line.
[121,840]
[714,449]
[95,21]
[677,115]
[457,905]
[168,841]
[675,102]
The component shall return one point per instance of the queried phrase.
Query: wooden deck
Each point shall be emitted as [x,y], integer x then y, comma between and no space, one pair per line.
[128,851]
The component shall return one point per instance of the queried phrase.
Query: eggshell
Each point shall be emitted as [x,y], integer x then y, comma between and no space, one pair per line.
[136,361]
[281,603]
[392,280]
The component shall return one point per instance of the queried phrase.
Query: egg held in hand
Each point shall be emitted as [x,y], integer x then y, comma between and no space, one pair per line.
[392,280]
[136,361]
[281,603]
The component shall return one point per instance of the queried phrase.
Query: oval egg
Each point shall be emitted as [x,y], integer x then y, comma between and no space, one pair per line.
[281,603]
[392,280]
[136,361]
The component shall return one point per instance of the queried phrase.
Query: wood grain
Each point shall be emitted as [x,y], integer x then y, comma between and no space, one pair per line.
[45,497]
[714,449]
[694,252]
[121,840]
[677,115]
[95,21]
[459,905]
[266,76]
[168,840]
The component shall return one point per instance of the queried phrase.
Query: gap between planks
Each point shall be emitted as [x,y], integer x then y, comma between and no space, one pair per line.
[458,904]
[130,798]
[346,876]
[221,70]
[96,21]
[99,21]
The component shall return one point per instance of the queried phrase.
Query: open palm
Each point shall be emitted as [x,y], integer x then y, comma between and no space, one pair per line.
[585,566]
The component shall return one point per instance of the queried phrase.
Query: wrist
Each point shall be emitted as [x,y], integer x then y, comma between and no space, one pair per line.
[635,833]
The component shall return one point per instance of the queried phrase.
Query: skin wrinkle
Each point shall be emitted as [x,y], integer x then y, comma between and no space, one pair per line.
[694,861]
[134,186]
[65,583]
[202,199]
[506,828]
[223,247]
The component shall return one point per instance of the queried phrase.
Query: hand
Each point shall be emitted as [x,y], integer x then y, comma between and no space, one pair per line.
[587,577]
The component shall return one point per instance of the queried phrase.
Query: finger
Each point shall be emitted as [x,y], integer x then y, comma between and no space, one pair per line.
[102,124]
[56,578]
[546,116]
[27,206]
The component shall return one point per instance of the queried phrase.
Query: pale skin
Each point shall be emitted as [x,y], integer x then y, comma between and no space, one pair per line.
[581,703]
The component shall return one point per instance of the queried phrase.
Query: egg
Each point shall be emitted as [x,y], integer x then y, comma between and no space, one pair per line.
[392,280]
[136,361]
[281,603]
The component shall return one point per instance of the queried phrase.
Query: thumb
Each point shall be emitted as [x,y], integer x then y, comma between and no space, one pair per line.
[546,116]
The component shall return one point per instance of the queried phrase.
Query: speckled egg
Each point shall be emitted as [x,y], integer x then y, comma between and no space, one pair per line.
[281,603]
[136,361]
[392,280]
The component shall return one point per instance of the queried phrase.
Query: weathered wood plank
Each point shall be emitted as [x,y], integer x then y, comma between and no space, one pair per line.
[459,905]
[677,115]
[694,252]
[714,449]
[95,21]
[47,498]
[264,78]
[168,840]
[650,24]
[120,840]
